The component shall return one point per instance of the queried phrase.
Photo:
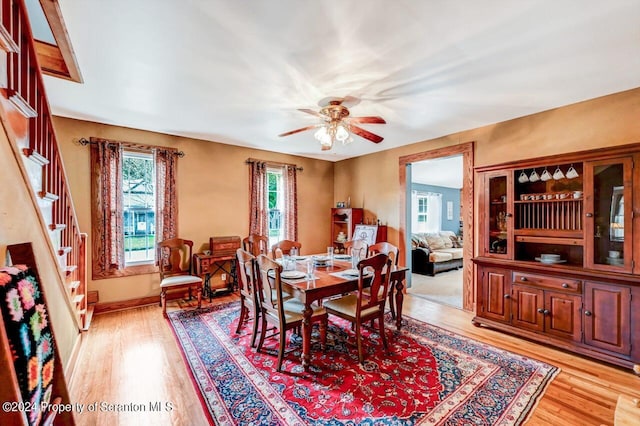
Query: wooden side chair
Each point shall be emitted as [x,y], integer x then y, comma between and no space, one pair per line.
[283,314]
[393,252]
[256,244]
[249,304]
[359,248]
[175,269]
[284,248]
[364,306]
[387,248]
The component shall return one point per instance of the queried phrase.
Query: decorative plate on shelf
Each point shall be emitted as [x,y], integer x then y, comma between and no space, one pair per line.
[615,261]
[550,261]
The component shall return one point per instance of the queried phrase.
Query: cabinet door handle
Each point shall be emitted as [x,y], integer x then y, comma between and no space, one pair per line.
[587,313]
[565,285]
[540,311]
[523,278]
[506,296]
[508,215]
[546,312]
[589,215]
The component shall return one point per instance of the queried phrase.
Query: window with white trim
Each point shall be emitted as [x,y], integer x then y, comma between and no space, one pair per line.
[139,207]
[276,205]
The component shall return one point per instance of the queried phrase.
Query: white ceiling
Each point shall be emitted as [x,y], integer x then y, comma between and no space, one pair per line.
[235,72]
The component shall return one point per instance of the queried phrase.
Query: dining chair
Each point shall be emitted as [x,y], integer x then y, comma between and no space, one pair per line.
[387,248]
[256,244]
[175,269]
[284,248]
[283,314]
[249,299]
[360,307]
[393,252]
[359,248]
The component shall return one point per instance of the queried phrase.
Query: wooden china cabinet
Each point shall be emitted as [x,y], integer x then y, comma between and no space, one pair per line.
[559,254]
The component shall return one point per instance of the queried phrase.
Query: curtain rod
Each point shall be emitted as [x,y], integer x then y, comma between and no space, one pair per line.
[272,163]
[85,142]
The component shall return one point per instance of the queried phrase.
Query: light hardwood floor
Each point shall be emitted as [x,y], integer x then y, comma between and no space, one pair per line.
[131,357]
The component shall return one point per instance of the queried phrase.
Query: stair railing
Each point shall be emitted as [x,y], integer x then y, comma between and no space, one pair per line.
[27,93]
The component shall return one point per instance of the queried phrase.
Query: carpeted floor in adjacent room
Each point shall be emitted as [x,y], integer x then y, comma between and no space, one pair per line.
[444,288]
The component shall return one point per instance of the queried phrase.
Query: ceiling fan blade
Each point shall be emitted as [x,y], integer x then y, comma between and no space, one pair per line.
[365,134]
[370,120]
[310,111]
[299,130]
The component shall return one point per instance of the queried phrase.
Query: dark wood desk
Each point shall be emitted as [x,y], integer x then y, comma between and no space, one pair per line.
[326,285]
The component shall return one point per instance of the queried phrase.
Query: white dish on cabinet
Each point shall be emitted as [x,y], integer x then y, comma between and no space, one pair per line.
[550,261]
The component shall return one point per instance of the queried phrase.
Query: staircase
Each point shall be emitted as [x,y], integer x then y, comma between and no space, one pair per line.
[31,129]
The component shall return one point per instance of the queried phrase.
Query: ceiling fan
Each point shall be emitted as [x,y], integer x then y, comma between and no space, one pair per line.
[336,124]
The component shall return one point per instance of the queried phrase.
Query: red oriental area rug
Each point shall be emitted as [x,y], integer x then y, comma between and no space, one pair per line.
[429,376]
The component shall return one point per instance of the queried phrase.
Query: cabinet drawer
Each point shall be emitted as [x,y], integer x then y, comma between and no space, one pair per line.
[555,283]
[205,264]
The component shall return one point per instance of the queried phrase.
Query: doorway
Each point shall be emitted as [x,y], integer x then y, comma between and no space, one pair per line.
[434,197]
[466,210]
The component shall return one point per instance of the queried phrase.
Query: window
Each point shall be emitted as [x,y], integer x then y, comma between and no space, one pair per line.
[139,205]
[426,211]
[133,206]
[276,208]
[422,208]
[273,204]
[420,212]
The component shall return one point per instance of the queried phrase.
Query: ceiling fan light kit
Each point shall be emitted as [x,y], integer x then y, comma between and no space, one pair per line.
[337,126]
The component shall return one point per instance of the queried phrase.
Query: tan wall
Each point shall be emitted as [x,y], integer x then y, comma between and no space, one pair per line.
[372,180]
[213,193]
[213,179]
[19,223]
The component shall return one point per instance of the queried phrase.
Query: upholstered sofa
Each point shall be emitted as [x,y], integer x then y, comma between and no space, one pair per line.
[435,252]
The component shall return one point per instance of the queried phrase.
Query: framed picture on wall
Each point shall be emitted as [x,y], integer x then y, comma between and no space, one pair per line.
[449,210]
[367,233]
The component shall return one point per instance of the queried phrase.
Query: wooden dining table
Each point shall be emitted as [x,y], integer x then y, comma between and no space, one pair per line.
[329,281]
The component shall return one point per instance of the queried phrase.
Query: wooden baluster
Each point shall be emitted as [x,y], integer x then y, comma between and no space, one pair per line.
[15,71]
[40,123]
[49,169]
[24,65]
[32,79]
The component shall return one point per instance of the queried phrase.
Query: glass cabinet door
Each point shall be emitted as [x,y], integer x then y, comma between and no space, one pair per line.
[498,224]
[608,214]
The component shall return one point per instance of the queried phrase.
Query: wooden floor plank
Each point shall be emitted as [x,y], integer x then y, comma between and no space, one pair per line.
[131,357]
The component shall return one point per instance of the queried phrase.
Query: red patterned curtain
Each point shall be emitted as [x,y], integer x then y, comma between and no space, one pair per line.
[258,204]
[107,218]
[290,184]
[166,199]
